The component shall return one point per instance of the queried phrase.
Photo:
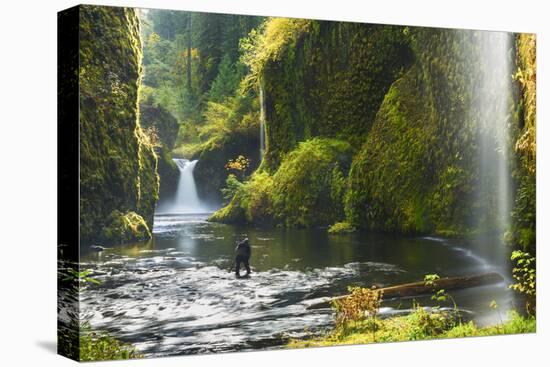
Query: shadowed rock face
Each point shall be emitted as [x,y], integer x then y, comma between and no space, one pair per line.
[164,122]
[118,167]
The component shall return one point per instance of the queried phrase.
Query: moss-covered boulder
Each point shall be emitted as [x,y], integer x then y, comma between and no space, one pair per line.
[307,189]
[127,227]
[252,202]
[118,166]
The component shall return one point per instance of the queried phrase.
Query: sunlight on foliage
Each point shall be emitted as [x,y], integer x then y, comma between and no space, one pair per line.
[524,272]
[100,346]
[267,43]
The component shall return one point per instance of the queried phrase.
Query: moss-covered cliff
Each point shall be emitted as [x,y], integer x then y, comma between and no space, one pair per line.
[329,81]
[162,128]
[118,166]
[417,170]
[524,214]
[418,108]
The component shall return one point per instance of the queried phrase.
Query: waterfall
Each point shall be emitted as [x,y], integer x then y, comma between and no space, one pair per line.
[262,122]
[186,199]
[493,98]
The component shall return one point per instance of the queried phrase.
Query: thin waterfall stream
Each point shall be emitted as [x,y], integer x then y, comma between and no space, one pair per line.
[262,122]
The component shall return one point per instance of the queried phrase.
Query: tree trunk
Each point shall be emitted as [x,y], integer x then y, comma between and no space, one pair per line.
[189,53]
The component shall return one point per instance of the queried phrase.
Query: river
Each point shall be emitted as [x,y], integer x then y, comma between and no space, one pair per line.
[176,294]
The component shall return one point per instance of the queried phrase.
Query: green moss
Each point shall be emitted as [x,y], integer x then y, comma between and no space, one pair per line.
[306,190]
[210,171]
[341,227]
[307,186]
[329,81]
[127,227]
[158,119]
[523,231]
[118,166]
[252,203]
[167,170]
[418,169]
[391,175]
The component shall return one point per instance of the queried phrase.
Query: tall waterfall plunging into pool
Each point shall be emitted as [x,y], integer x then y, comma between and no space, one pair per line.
[492,103]
[186,199]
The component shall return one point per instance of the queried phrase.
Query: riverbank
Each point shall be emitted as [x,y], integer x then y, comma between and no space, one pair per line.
[419,325]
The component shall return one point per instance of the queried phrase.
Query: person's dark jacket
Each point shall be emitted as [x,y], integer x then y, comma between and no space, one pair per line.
[243,249]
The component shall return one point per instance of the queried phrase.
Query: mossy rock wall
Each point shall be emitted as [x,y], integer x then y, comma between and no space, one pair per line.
[163,122]
[393,171]
[416,107]
[210,172]
[118,166]
[330,82]
[169,173]
[307,189]
[419,169]
[523,232]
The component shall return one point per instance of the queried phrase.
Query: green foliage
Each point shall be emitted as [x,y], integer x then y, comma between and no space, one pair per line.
[158,118]
[231,130]
[524,272]
[80,278]
[306,190]
[426,324]
[341,227]
[267,44]
[419,325]
[126,227]
[101,346]
[327,80]
[526,74]
[232,186]
[516,324]
[440,295]
[361,304]
[418,170]
[252,202]
[390,175]
[226,82]
[118,166]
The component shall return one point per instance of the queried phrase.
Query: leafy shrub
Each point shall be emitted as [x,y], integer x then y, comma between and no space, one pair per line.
[524,272]
[361,304]
[251,203]
[100,346]
[306,190]
[232,186]
[309,184]
[424,324]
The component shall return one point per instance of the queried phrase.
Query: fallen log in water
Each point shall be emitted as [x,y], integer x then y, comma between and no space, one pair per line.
[420,288]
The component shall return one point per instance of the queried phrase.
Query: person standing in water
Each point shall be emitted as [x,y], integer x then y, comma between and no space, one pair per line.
[242,255]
